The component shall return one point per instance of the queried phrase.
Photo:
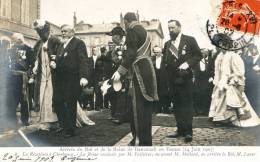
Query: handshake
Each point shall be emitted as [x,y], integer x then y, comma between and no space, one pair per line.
[53,63]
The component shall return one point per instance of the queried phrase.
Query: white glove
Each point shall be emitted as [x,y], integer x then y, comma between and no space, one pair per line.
[53,57]
[23,57]
[211,79]
[116,76]
[184,66]
[256,68]
[119,53]
[83,82]
[31,80]
[53,65]
[35,68]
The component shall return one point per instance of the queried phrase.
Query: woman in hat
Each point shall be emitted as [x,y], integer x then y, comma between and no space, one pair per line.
[229,103]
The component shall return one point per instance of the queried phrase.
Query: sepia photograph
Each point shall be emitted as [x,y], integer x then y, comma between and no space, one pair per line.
[91,74]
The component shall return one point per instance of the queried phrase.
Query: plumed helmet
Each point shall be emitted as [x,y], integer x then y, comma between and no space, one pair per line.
[41,25]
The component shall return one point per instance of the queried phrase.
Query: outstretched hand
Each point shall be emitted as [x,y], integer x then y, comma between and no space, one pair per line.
[83,82]
[116,76]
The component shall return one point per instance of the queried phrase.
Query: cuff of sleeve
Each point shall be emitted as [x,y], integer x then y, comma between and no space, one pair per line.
[122,70]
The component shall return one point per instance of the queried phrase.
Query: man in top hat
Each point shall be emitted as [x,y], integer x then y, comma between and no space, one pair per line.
[45,51]
[143,87]
[71,73]
[119,99]
[181,56]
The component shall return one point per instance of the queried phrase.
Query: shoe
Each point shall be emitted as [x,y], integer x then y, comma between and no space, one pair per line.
[44,128]
[166,111]
[111,118]
[116,121]
[175,135]
[188,138]
[68,135]
[131,143]
[98,108]
[59,130]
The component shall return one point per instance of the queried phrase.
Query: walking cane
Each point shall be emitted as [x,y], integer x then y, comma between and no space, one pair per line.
[94,101]
[103,104]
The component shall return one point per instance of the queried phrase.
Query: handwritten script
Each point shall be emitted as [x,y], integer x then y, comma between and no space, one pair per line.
[15,157]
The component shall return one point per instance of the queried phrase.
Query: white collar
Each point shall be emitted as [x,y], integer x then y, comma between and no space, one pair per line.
[158,62]
[67,42]
[179,37]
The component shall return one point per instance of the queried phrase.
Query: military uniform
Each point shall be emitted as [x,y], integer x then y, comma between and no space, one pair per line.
[21,60]
[119,100]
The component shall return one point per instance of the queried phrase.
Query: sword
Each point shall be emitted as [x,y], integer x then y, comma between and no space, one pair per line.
[25,138]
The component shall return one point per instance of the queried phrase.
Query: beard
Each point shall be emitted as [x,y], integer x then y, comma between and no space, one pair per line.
[64,40]
[173,35]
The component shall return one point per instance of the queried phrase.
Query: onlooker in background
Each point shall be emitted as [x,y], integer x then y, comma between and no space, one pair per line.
[162,81]
[21,62]
[107,64]
[203,83]
[252,88]
[95,64]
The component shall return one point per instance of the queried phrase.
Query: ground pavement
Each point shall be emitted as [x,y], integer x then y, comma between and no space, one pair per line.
[106,133]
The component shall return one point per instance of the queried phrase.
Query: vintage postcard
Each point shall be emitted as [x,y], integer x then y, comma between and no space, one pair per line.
[95,80]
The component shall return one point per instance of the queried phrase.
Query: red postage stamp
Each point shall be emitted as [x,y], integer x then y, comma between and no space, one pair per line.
[240,15]
[236,25]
